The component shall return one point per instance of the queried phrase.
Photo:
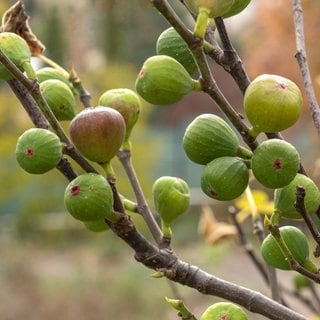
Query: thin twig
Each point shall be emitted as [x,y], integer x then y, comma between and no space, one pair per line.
[301,57]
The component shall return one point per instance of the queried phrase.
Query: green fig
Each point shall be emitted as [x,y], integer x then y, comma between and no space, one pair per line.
[125,101]
[49,73]
[171,196]
[208,137]
[38,150]
[300,281]
[59,98]
[89,198]
[96,225]
[163,80]
[296,242]
[224,178]
[237,7]
[98,133]
[224,311]
[285,198]
[272,103]
[17,50]
[275,163]
[171,44]
[206,9]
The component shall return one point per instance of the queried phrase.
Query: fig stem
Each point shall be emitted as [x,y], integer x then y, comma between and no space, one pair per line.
[178,304]
[142,206]
[244,153]
[201,23]
[107,167]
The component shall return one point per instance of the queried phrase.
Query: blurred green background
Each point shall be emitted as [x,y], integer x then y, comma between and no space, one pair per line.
[50,266]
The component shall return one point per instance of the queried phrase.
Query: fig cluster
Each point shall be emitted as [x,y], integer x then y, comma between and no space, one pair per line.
[210,141]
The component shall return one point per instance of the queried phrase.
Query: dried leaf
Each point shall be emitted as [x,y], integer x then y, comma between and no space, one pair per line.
[214,231]
[15,20]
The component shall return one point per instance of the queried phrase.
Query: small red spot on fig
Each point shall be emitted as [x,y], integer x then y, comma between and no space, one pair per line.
[282,86]
[224,317]
[212,192]
[75,190]
[29,152]
[277,164]
[141,74]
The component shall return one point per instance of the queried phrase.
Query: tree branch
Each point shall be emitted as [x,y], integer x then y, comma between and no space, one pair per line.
[301,57]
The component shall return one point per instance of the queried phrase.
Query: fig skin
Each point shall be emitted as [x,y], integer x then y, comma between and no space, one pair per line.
[224,178]
[224,310]
[49,73]
[171,44]
[171,196]
[163,80]
[98,133]
[275,163]
[215,8]
[38,150]
[60,99]
[272,103]
[237,7]
[17,50]
[125,101]
[285,198]
[89,198]
[96,225]
[296,242]
[208,137]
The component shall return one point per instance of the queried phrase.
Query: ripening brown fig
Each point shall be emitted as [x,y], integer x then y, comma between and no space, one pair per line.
[38,150]
[98,133]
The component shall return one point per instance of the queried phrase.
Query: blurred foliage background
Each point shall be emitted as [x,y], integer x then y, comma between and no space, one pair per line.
[49,263]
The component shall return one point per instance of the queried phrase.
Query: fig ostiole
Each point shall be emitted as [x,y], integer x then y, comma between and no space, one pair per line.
[285,198]
[225,178]
[38,150]
[224,311]
[127,102]
[209,137]
[17,50]
[163,80]
[59,98]
[98,133]
[272,103]
[275,163]
[171,44]
[296,242]
[89,198]
[206,9]
[171,197]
